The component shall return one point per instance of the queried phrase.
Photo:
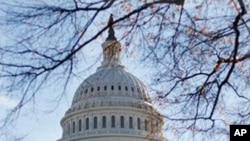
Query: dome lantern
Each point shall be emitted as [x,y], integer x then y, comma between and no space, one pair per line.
[111,49]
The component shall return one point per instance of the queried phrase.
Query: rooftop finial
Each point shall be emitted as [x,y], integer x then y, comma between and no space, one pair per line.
[111,31]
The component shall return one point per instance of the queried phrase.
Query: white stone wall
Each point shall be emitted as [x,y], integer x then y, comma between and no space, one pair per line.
[109,131]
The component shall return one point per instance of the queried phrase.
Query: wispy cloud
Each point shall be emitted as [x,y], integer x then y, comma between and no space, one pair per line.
[7,102]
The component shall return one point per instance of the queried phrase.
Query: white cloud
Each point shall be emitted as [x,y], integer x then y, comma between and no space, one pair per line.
[7,102]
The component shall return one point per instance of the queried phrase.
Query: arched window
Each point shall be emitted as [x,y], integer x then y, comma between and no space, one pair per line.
[92,89]
[113,121]
[98,88]
[104,122]
[68,129]
[138,90]
[112,87]
[105,88]
[86,91]
[138,123]
[95,122]
[146,125]
[119,88]
[132,89]
[74,126]
[126,88]
[87,124]
[130,122]
[79,125]
[122,121]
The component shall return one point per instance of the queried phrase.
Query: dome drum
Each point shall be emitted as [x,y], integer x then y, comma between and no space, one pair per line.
[122,121]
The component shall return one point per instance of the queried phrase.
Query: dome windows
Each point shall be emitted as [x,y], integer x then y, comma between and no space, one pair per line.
[125,122]
[125,89]
[112,88]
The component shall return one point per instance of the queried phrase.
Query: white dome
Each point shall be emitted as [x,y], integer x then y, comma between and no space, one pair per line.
[112,105]
[111,82]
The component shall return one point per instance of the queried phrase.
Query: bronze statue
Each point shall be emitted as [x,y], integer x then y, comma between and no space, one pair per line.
[111,31]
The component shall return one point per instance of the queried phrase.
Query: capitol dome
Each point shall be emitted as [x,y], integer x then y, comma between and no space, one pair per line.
[115,83]
[112,104]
